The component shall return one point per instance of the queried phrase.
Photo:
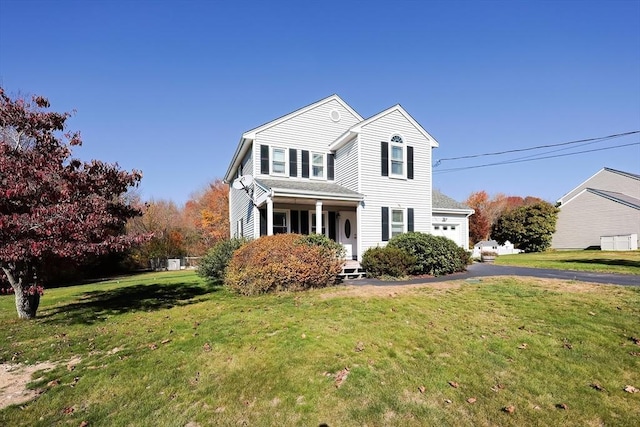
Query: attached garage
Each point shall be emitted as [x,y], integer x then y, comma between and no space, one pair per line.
[450,219]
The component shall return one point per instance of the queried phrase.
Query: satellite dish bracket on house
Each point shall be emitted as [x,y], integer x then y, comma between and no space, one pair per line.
[245,182]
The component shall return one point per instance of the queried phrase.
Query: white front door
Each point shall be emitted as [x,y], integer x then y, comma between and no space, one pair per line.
[347,233]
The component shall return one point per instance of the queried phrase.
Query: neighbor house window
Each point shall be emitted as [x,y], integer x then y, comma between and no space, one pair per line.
[317,165]
[279,161]
[280,222]
[397,156]
[397,222]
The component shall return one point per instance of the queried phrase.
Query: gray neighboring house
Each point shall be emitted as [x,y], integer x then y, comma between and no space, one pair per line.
[606,204]
[450,218]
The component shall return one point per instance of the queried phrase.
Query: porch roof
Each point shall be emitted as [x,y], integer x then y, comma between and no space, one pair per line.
[309,190]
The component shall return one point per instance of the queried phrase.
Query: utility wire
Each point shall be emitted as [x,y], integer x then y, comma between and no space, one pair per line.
[601,138]
[506,162]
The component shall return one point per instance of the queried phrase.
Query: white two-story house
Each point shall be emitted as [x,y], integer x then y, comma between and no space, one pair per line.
[326,169]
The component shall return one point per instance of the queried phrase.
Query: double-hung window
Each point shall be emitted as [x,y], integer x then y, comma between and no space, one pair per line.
[397,156]
[397,222]
[278,161]
[317,165]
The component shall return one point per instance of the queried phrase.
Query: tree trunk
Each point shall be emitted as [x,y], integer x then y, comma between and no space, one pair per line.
[26,304]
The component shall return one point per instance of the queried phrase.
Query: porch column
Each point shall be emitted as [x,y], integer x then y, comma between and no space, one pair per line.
[269,216]
[359,231]
[319,217]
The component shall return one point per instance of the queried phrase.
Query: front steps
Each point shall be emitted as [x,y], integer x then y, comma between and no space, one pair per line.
[352,270]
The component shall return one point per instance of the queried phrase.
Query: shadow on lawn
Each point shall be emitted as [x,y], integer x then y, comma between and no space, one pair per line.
[97,306]
[621,262]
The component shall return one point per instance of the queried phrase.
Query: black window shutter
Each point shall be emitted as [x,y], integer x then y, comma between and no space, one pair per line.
[295,217]
[409,162]
[293,162]
[264,159]
[332,226]
[263,222]
[385,224]
[305,164]
[410,226]
[304,222]
[384,155]
[331,166]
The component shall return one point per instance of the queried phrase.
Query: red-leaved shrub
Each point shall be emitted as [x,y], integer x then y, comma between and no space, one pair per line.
[283,262]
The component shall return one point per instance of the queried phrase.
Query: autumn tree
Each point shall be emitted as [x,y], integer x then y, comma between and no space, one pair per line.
[489,209]
[529,227]
[164,222]
[53,206]
[208,212]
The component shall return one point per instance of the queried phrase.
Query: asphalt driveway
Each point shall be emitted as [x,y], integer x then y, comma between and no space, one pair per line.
[478,270]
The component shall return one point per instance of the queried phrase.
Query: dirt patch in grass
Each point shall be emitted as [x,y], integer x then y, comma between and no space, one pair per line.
[15,377]
[369,291]
[14,380]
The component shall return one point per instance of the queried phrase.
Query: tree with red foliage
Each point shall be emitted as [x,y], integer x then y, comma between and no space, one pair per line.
[53,206]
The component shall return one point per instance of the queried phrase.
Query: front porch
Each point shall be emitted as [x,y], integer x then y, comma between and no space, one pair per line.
[310,208]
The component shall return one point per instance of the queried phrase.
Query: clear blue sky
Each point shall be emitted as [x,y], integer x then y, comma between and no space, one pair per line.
[168,87]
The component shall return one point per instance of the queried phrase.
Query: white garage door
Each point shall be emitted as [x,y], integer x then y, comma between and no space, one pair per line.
[450,231]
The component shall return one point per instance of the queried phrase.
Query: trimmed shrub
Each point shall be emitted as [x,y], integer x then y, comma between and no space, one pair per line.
[387,261]
[324,242]
[212,266]
[283,262]
[435,255]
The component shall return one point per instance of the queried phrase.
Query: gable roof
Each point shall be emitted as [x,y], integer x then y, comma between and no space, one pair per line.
[357,128]
[250,135]
[629,175]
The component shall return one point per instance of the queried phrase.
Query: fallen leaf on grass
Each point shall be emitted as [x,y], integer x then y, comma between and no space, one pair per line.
[421,389]
[53,383]
[471,400]
[68,410]
[165,341]
[562,406]
[522,346]
[635,340]
[153,346]
[206,347]
[596,386]
[631,389]
[591,313]
[509,409]
[454,384]
[634,353]
[447,401]
[84,424]
[497,387]
[341,376]
[359,346]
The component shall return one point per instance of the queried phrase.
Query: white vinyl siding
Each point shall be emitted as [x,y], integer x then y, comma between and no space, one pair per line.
[240,206]
[395,193]
[346,167]
[312,131]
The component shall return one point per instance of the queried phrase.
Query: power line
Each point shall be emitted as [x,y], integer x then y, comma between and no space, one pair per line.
[506,162]
[601,138]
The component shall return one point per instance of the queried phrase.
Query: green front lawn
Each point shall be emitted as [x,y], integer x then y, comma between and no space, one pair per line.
[623,262]
[165,349]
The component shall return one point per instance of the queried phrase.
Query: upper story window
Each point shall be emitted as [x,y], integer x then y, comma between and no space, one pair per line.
[317,165]
[278,161]
[397,156]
